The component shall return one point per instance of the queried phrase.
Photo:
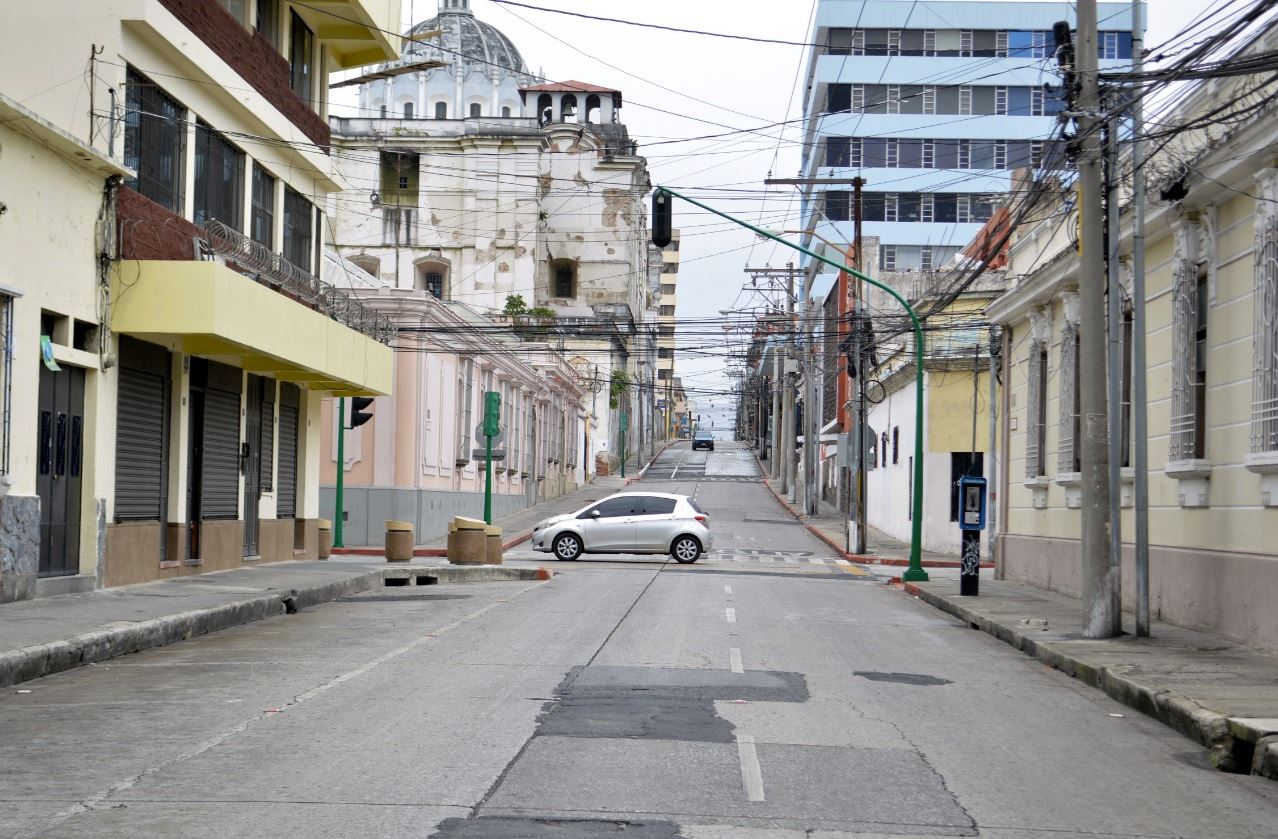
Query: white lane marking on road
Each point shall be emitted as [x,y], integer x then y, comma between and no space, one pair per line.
[751,774]
[99,798]
[731,614]
[727,589]
[841,562]
[816,560]
[734,660]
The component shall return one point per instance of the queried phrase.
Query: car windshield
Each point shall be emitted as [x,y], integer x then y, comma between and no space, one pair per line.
[703,435]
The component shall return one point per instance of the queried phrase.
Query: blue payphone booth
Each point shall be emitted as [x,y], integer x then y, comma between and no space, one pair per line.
[971,522]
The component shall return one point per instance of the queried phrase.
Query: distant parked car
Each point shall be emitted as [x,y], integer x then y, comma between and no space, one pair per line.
[628,523]
[703,440]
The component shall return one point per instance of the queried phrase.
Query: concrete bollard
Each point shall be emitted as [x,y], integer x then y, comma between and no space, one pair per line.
[399,541]
[469,542]
[325,538]
[452,539]
[492,554]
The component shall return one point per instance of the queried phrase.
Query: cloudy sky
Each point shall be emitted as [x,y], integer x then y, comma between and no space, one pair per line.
[679,87]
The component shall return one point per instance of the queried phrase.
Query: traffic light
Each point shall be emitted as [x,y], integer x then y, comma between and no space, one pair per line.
[492,413]
[358,415]
[662,221]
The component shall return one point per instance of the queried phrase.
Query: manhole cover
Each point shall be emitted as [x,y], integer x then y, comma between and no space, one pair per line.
[388,598]
[901,678]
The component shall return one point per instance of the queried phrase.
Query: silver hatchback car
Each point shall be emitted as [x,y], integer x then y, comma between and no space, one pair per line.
[628,523]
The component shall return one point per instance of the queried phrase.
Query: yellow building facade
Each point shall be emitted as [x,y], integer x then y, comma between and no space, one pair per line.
[1212,413]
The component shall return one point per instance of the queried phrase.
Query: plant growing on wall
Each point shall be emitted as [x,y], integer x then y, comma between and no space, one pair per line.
[515,306]
[541,313]
[619,384]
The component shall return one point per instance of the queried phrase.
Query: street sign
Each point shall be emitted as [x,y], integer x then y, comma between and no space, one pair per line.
[480,454]
[661,404]
[497,440]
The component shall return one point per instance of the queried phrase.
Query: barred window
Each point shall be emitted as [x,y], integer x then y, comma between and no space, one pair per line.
[1067,456]
[1189,374]
[6,378]
[1264,403]
[1036,409]
[219,178]
[154,141]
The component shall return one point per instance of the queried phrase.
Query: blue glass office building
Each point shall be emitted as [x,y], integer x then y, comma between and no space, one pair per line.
[934,104]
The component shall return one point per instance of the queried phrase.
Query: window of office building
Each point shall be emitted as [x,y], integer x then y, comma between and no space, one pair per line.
[298,219]
[154,141]
[301,57]
[262,224]
[219,178]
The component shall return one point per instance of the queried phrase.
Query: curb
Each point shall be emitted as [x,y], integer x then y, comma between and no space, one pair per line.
[26,663]
[425,552]
[1213,730]
[639,475]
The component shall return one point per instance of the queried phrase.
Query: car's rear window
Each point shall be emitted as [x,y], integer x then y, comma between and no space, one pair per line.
[703,435]
[695,506]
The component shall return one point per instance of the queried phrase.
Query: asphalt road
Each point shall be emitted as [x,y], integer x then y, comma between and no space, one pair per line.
[767,691]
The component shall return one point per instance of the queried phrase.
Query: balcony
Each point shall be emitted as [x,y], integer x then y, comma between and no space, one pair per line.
[243,305]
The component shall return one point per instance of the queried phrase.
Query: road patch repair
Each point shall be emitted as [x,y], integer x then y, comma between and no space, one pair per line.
[223,605]
[609,726]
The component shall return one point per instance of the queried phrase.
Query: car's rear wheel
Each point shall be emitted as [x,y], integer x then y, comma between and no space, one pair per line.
[685,550]
[567,546]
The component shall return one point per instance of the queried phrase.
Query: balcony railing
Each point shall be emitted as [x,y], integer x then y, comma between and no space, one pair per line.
[258,262]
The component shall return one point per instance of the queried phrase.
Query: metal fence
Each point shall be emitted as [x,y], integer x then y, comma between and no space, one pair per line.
[259,262]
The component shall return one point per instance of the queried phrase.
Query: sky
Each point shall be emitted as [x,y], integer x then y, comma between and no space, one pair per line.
[682,86]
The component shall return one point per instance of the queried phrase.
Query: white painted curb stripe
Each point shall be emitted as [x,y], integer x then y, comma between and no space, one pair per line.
[734,659]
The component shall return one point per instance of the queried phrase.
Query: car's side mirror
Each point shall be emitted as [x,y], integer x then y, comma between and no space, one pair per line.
[594,514]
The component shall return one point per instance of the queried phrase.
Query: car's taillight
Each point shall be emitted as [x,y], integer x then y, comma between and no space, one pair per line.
[705,520]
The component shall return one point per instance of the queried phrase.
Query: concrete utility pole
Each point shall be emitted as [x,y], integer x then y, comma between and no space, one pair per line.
[811,406]
[1100,619]
[1114,347]
[788,429]
[1140,442]
[778,378]
[860,319]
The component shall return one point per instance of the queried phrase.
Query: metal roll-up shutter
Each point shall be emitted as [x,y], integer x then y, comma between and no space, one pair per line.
[286,494]
[140,446]
[267,437]
[220,496]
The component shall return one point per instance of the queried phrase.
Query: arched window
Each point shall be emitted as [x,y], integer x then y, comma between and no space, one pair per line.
[545,109]
[568,108]
[563,278]
[475,109]
[368,264]
[408,110]
[431,275]
[592,108]
[505,112]
[441,110]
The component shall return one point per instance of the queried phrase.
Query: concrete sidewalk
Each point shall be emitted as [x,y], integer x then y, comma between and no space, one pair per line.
[52,634]
[1221,694]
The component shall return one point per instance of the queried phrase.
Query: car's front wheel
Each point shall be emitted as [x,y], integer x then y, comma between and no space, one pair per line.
[567,546]
[685,550]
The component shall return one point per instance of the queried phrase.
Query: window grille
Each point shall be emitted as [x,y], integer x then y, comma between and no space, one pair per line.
[964,154]
[1036,154]
[890,206]
[1038,44]
[1264,404]
[858,42]
[964,209]
[1000,101]
[465,413]
[1000,154]
[219,178]
[889,257]
[927,210]
[965,100]
[929,154]
[1067,454]
[298,213]
[154,141]
[894,99]
[929,100]
[1108,45]
[892,155]
[1000,43]
[855,157]
[1185,317]
[262,224]
[965,43]
[6,378]
[929,42]
[925,256]
[858,99]
[301,57]
[894,42]
[1035,407]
